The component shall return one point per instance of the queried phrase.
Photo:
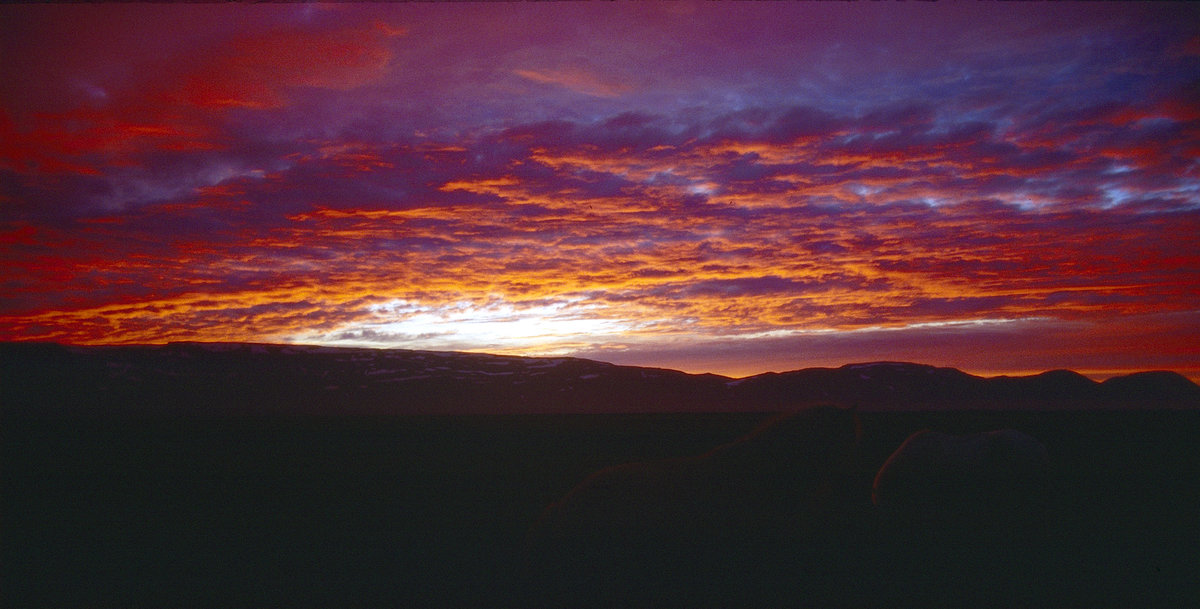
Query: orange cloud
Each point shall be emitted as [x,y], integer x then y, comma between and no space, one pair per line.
[580,79]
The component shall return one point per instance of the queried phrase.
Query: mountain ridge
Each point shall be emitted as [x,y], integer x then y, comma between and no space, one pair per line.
[236,379]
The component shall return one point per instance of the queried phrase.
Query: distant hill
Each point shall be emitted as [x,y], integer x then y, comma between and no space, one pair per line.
[907,386]
[237,379]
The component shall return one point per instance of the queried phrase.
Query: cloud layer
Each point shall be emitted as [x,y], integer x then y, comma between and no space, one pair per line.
[689,186]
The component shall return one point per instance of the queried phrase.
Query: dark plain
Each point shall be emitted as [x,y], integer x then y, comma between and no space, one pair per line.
[435,511]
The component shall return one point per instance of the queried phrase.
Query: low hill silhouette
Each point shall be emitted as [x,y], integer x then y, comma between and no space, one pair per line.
[240,379]
[261,475]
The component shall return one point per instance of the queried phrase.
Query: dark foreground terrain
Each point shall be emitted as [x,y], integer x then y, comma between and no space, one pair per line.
[433,511]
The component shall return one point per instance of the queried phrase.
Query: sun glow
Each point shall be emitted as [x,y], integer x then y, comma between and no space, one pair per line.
[375,178]
[495,326]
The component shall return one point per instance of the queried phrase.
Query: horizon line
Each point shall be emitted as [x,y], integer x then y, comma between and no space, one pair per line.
[1094,375]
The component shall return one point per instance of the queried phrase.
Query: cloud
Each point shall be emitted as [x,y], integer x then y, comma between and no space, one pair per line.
[280,185]
[258,71]
[578,78]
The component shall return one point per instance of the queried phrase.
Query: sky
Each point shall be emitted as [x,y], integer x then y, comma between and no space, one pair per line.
[732,188]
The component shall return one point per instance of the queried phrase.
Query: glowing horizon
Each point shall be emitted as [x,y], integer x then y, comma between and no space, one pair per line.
[711,188]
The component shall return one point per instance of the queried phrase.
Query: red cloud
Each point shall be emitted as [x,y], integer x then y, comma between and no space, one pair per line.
[258,72]
[174,111]
[248,196]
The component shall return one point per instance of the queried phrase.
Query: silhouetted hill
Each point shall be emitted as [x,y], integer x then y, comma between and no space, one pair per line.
[1159,385]
[220,379]
[1054,384]
[906,386]
[889,384]
[256,379]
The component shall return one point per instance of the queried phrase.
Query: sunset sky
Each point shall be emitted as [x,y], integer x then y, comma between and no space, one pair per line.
[729,188]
